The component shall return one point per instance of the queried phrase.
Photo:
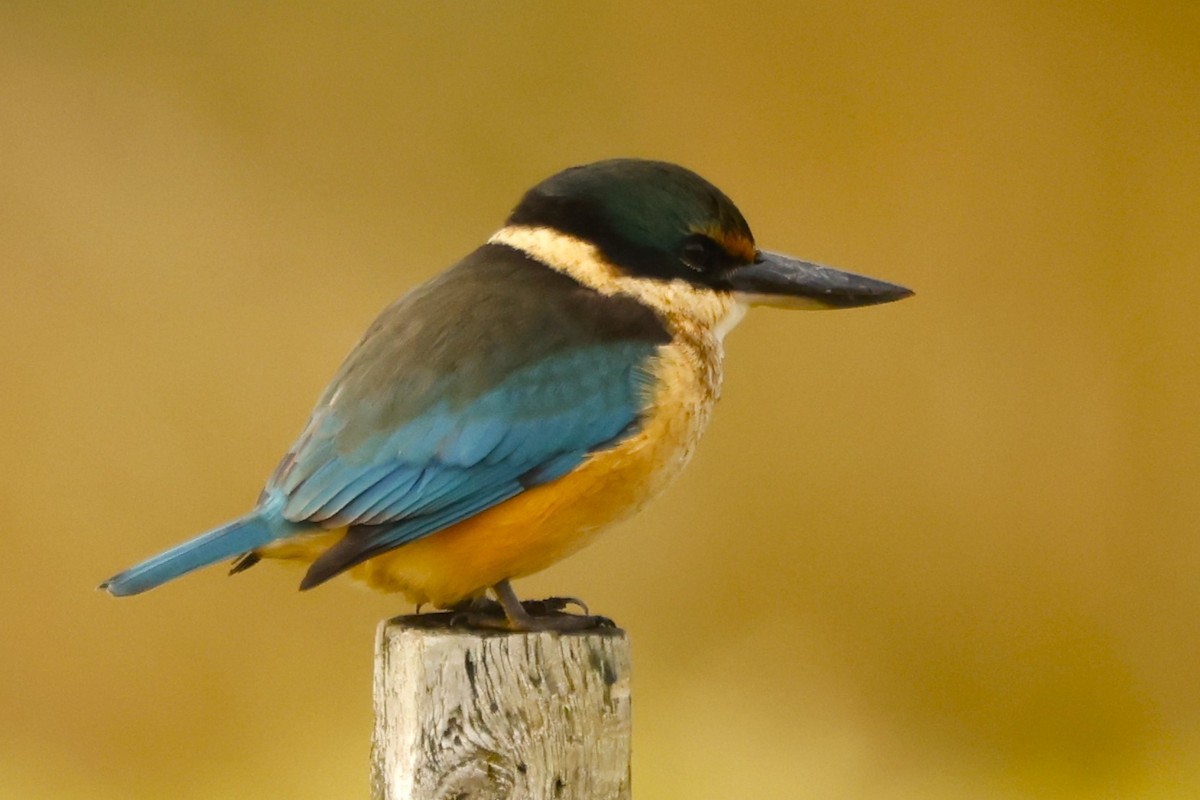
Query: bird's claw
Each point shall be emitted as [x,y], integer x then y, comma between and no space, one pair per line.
[563,622]
[550,614]
[554,605]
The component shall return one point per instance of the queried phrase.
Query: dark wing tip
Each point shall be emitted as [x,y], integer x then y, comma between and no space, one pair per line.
[314,578]
[338,558]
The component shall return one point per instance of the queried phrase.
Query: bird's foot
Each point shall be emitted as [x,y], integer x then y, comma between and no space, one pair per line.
[509,614]
[554,605]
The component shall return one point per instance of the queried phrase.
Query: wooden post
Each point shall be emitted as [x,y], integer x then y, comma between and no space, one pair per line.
[471,715]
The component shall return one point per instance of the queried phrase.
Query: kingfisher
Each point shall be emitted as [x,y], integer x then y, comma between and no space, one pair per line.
[494,419]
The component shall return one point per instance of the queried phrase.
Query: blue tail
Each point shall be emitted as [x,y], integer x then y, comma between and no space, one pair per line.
[234,538]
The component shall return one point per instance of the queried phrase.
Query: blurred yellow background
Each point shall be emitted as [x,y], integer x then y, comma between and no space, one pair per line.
[942,549]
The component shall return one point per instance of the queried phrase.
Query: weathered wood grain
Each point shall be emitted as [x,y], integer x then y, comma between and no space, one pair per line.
[469,715]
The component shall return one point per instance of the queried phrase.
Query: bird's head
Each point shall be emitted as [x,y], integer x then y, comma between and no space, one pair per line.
[658,222]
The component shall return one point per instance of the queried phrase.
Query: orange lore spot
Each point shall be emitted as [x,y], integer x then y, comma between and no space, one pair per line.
[738,245]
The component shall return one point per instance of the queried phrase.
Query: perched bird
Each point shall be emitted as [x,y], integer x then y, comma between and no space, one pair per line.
[494,419]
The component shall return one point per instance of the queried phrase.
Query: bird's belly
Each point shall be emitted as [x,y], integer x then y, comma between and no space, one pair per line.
[544,524]
[519,537]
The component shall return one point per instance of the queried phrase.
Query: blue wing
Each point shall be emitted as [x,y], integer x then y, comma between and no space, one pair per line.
[450,462]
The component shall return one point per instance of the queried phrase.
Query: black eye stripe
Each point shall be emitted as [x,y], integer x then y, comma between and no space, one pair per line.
[695,256]
[702,254]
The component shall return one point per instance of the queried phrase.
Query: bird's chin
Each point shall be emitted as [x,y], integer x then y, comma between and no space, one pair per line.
[794,302]
[727,323]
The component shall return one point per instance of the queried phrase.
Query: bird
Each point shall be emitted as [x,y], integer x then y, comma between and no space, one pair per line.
[497,417]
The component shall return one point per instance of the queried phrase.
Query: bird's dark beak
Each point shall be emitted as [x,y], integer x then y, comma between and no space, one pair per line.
[777,280]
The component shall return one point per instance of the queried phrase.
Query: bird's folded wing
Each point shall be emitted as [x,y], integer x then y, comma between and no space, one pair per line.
[449,463]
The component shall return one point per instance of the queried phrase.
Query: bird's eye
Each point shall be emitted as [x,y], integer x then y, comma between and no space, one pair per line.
[699,253]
